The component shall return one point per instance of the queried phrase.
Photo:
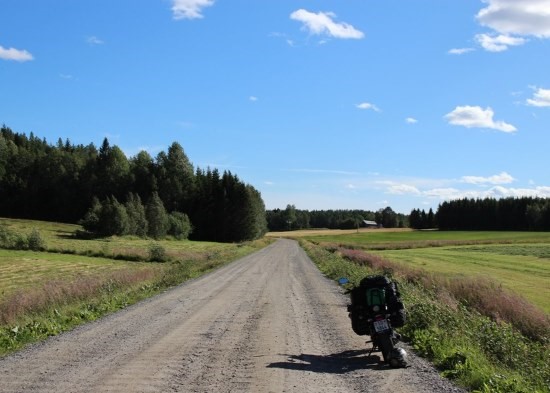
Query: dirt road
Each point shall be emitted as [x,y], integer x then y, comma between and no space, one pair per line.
[269,322]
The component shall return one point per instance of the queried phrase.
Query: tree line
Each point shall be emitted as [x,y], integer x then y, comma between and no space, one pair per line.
[71,183]
[291,218]
[506,214]
[511,214]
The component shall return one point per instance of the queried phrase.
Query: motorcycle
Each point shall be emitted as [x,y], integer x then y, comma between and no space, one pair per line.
[376,321]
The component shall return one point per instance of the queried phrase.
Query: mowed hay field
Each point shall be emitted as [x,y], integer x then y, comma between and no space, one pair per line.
[21,270]
[68,260]
[518,261]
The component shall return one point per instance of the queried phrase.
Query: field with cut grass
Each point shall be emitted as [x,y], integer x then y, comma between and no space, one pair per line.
[67,281]
[522,268]
[20,270]
[519,261]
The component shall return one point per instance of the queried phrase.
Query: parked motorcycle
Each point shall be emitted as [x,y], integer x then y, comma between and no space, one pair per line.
[375,309]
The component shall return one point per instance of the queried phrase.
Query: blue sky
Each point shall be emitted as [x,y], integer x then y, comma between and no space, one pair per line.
[322,104]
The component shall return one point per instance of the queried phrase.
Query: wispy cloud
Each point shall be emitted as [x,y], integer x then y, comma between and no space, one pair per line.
[402,189]
[477,117]
[322,23]
[330,171]
[498,43]
[502,178]
[15,54]
[93,40]
[460,51]
[485,187]
[493,192]
[368,105]
[512,21]
[541,98]
[189,9]
[253,98]
[411,120]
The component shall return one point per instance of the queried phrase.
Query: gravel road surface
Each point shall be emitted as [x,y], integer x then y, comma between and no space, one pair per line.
[269,322]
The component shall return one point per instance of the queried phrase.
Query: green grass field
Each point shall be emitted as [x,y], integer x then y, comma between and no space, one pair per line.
[20,270]
[525,269]
[519,261]
[69,259]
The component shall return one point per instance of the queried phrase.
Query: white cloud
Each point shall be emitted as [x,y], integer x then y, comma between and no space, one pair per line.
[15,54]
[498,43]
[442,193]
[368,105]
[502,178]
[411,120]
[541,98]
[93,40]
[519,17]
[403,189]
[460,51]
[189,9]
[477,117]
[323,23]
[512,19]
[253,98]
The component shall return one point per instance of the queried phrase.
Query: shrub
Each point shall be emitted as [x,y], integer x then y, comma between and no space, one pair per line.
[35,241]
[157,253]
[180,225]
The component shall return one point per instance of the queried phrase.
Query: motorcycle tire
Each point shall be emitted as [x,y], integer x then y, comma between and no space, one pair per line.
[385,344]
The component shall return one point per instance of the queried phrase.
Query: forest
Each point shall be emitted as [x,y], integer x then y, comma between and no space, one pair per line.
[505,214]
[292,219]
[76,183]
[110,194]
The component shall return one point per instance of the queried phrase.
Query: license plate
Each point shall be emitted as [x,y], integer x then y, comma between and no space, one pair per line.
[380,326]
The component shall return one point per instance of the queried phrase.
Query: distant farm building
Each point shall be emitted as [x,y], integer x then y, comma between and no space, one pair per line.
[370,224]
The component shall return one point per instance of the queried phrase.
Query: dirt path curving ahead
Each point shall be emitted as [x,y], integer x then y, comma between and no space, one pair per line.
[269,322]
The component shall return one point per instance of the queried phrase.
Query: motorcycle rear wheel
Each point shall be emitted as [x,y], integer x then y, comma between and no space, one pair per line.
[385,344]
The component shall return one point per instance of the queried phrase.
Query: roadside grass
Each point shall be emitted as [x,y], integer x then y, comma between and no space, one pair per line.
[523,268]
[75,281]
[481,353]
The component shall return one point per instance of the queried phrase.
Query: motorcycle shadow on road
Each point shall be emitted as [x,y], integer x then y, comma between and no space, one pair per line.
[337,363]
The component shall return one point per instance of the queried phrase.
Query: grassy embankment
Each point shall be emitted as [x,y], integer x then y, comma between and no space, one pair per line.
[477,301]
[72,281]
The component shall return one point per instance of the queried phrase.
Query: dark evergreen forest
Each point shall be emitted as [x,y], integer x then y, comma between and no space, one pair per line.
[292,218]
[505,214]
[66,182]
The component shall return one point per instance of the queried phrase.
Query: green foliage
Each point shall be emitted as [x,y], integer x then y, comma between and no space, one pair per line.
[35,241]
[90,222]
[157,217]
[180,225]
[157,253]
[278,220]
[511,214]
[17,241]
[59,183]
[113,218]
[137,220]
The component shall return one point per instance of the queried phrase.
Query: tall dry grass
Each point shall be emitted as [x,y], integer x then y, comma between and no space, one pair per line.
[478,293]
[57,292]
